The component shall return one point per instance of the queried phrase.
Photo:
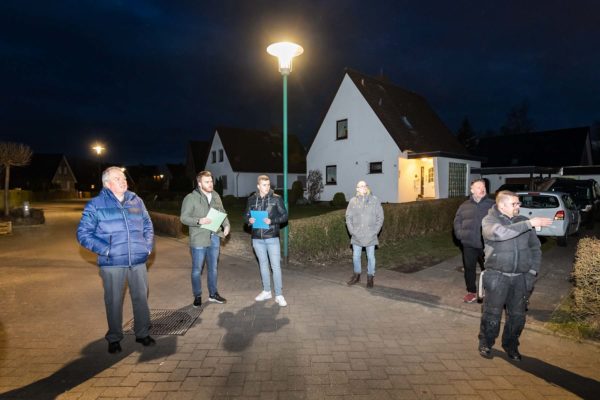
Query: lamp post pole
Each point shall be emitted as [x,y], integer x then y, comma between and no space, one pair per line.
[99,149]
[285,52]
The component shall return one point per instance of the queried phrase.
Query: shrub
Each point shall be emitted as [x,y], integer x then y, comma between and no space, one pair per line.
[296,193]
[586,273]
[166,224]
[229,200]
[339,200]
[314,185]
[326,236]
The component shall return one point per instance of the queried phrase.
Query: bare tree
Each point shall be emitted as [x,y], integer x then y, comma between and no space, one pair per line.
[314,185]
[12,155]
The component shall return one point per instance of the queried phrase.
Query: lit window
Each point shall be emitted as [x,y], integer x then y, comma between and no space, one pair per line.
[342,129]
[430,175]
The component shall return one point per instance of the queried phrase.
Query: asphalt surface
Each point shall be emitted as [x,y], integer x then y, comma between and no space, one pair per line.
[410,337]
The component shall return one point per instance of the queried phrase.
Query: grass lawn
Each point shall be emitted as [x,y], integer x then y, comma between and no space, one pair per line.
[416,253]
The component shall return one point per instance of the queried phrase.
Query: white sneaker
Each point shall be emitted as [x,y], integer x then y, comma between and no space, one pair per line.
[280,300]
[263,296]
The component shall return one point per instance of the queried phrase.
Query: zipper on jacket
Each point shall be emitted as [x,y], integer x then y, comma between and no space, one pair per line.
[128,235]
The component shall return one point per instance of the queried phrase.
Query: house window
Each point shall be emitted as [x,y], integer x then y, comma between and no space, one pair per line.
[221,155]
[331,175]
[457,179]
[342,129]
[279,181]
[430,176]
[224,181]
[214,156]
[376,167]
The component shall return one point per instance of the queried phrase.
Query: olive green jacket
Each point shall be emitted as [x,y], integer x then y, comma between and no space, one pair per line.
[195,206]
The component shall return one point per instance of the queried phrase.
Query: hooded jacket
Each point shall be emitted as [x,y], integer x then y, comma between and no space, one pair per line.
[467,222]
[121,233]
[273,205]
[511,246]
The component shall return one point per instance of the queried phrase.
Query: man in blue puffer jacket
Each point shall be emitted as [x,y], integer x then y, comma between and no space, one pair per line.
[116,226]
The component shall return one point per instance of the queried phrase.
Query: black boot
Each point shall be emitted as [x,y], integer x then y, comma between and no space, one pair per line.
[353,280]
[370,280]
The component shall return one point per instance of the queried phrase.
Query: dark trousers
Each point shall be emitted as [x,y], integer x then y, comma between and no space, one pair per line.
[471,256]
[501,291]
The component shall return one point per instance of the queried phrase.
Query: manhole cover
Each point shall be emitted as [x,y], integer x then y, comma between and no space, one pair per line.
[168,322]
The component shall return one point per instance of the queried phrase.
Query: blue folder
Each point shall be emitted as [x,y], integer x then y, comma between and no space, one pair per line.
[259,216]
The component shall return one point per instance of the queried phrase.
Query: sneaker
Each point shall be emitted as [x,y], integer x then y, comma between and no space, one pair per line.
[280,300]
[216,298]
[263,296]
[197,301]
[470,298]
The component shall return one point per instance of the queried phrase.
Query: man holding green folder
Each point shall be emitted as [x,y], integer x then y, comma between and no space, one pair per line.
[202,211]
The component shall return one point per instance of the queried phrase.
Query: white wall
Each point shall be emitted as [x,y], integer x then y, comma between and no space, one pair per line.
[368,141]
[443,167]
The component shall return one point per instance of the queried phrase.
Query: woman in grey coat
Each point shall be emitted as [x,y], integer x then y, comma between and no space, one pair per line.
[364,218]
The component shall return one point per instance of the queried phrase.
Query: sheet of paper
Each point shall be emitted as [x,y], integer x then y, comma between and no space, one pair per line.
[216,219]
[259,216]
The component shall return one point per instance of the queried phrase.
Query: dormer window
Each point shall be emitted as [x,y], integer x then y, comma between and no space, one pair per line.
[341,129]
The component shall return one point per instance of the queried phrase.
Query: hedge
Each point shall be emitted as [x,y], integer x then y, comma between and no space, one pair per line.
[325,236]
[16,197]
[167,224]
[586,274]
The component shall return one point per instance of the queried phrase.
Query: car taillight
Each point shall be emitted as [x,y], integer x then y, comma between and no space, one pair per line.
[559,216]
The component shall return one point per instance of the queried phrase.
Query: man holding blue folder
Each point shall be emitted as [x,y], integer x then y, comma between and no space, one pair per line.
[265,211]
[202,210]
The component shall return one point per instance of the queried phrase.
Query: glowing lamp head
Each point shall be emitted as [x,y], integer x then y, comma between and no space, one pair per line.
[98,149]
[285,52]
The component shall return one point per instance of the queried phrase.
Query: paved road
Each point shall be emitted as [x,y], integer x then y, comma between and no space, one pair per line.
[407,339]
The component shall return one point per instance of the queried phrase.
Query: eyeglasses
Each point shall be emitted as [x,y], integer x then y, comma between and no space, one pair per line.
[517,204]
[360,187]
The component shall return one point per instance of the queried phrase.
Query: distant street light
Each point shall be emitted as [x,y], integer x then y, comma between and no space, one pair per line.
[99,149]
[285,52]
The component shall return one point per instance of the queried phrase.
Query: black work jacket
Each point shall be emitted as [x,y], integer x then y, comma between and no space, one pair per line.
[273,205]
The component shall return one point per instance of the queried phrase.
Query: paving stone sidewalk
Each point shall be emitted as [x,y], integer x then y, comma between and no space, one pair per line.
[332,341]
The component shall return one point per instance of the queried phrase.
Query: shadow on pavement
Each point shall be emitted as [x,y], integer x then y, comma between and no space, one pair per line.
[404,295]
[94,359]
[586,388]
[243,326]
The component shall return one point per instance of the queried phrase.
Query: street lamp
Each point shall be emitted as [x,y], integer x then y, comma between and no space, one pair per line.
[285,52]
[99,149]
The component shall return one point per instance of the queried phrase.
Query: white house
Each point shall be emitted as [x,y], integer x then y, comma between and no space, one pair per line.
[238,156]
[391,138]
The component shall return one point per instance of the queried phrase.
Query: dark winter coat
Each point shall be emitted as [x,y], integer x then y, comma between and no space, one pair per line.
[511,245]
[120,233]
[273,205]
[467,222]
[364,219]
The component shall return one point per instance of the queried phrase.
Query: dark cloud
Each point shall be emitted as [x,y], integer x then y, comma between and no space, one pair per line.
[146,76]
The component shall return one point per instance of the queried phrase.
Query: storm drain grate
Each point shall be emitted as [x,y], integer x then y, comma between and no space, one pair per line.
[168,322]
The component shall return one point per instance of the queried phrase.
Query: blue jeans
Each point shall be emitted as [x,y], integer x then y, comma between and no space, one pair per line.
[356,255]
[269,250]
[113,280]
[212,256]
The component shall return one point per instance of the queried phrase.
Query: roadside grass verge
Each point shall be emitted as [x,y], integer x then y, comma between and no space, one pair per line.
[565,322]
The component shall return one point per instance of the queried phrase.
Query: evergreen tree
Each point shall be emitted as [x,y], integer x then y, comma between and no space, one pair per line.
[465,134]
[517,120]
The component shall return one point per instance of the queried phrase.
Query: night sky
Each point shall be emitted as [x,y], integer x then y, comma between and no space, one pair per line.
[144,77]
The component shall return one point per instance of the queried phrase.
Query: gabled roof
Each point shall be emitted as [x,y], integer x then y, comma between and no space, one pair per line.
[41,169]
[407,116]
[554,148]
[260,151]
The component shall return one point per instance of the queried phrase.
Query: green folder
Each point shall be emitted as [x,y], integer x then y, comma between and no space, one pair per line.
[217,217]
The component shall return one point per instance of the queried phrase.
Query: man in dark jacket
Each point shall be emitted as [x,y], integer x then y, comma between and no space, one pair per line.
[116,226]
[512,263]
[467,229]
[265,236]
